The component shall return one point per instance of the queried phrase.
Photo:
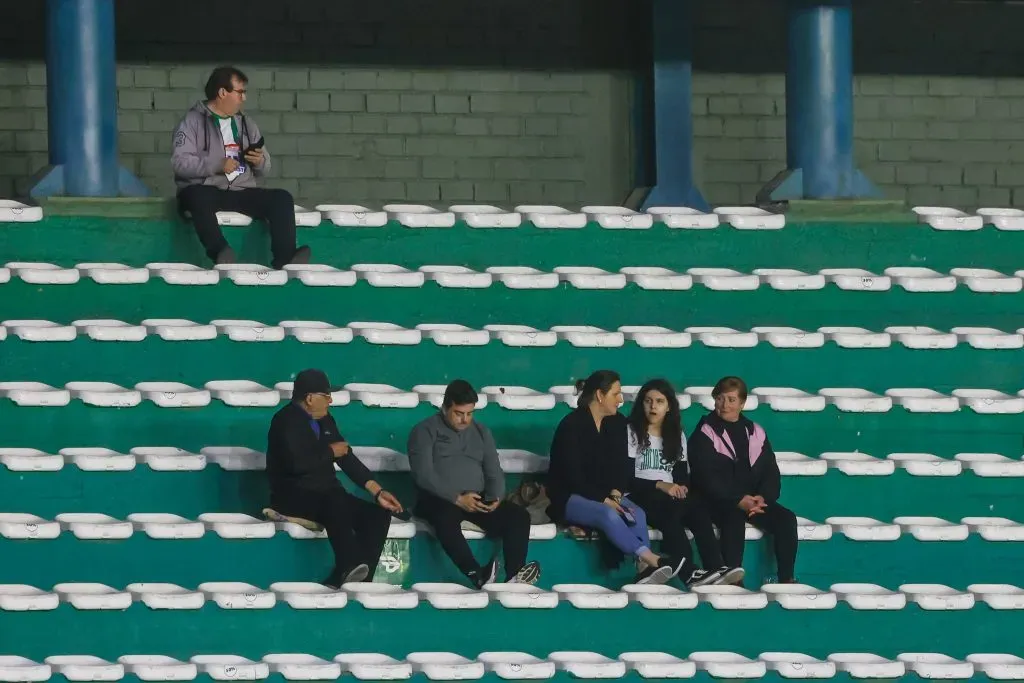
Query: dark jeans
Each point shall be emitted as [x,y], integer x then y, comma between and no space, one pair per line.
[672,517]
[357,529]
[776,520]
[509,522]
[274,206]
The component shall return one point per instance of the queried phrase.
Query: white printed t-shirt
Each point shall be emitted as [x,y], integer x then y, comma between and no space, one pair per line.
[648,461]
[232,150]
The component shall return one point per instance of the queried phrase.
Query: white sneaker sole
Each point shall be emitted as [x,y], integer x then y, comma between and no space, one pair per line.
[658,576]
[732,577]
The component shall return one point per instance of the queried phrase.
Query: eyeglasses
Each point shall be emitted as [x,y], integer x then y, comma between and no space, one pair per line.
[240,92]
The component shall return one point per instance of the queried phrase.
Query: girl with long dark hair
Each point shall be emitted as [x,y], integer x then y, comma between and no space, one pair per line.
[661,485]
[590,474]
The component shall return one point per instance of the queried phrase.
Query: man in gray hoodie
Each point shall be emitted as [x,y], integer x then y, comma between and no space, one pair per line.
[458,477]
[220,162]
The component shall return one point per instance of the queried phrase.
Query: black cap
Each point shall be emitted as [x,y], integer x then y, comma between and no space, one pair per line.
[312,382]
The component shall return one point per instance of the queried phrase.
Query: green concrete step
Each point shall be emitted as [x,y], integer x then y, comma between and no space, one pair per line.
[213,489]
[189,562]
[197,362]
[468,632]
[897,431]
[874,246]
[543,309]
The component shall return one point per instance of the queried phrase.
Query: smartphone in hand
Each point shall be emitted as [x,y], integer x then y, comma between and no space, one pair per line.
[253,147]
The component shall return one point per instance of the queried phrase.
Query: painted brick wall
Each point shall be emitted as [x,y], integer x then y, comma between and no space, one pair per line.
[382,101]
[530,102]
[939,115]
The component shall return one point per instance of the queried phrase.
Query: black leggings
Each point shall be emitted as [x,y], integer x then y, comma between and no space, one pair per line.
[274,206]
[776,520]
[672,517]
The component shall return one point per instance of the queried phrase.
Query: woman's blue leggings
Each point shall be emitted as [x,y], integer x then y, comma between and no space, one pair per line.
[634,540]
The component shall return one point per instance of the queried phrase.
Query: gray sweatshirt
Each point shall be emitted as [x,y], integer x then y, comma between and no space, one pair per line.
[447,463]
[198,151]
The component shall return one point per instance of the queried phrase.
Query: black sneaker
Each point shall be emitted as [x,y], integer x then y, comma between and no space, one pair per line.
[301,256]
[675,565]
[528,573]
[354,575]
[653,575]
[731,575]
[225,256]
[486,574]
[702,577]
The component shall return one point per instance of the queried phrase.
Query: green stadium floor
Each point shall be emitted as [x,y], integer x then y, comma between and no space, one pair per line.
[609,309]
[213,489]
[325,633]
[189,562]
[810,433]
[873,246]
[197,362]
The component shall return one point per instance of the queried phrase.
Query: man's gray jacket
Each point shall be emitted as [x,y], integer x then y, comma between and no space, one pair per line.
[447,463]
[197,156]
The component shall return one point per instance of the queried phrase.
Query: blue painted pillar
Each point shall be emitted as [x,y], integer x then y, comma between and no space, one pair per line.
[671,94]
[81,76]
[819,105]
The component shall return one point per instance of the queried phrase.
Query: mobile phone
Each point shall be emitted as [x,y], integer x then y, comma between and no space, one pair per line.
[404,515]
[489,502]
[628,517]
[253,147]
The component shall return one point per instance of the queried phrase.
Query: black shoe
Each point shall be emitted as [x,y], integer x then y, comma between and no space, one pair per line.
[301,256]
[354,575]
[675,565]
[226,256]
[528,573]
[731,575]
[486,574]
[653,575]
[702,577]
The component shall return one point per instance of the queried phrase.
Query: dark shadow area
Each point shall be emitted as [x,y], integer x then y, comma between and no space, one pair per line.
[573,34]
[897,37]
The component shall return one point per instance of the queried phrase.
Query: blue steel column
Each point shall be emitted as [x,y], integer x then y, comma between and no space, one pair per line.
[819,105]
[82,101]
[673,118]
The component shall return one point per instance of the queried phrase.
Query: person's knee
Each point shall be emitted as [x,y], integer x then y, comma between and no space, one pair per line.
[518,517]
[280,198]
[607,518]
[786,520]
[381,519]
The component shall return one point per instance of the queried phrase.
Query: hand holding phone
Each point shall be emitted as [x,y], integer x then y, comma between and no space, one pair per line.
[256,146]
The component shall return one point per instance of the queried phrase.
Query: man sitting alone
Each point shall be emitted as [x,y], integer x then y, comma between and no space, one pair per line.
[302,447]
[220,164]
[458,477]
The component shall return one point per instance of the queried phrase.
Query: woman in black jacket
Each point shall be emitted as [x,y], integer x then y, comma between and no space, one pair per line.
[735,470]
[661,485]
[590,474]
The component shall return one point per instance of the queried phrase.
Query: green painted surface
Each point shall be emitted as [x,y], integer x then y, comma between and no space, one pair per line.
[806,246]
[198,362]
[898,431]
[543,309]
[68,240]
[188,562]
[254,633]
[190,494]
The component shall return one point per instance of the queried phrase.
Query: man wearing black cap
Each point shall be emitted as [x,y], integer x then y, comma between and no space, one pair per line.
[303,445]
